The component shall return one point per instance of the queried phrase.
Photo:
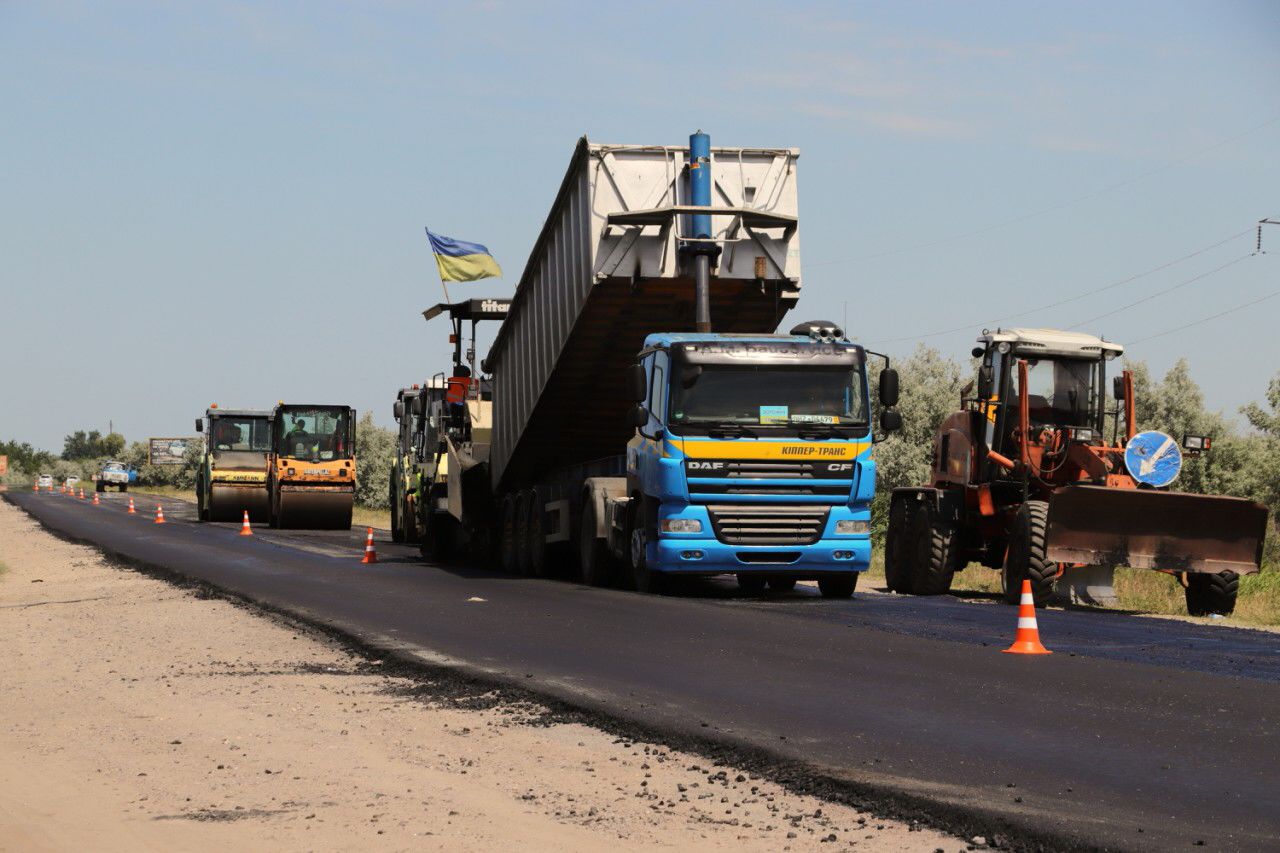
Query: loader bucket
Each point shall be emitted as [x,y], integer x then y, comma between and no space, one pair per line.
[1148,529]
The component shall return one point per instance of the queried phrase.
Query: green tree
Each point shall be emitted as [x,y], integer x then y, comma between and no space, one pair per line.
[375,453]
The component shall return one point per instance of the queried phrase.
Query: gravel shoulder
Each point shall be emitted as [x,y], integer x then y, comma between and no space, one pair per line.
[137,715]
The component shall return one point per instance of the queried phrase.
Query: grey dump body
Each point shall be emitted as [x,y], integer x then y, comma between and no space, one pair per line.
[608,269]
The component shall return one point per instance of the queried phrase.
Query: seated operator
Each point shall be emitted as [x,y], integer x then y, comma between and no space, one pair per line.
[296,436]
[228,436]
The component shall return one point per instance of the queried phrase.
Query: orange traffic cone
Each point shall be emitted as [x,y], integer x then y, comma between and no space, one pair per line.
[36,487]
[1027,640]
[82,493]
[95,499]
[370,555]
[245,530]
[159,514]
[131,511]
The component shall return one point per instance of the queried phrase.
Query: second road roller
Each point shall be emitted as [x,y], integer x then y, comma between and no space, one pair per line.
[312,468]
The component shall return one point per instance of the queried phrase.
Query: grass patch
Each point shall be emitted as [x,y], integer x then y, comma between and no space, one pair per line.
[363,516]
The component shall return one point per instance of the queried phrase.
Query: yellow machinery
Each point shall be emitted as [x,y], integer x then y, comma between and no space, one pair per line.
[312,469]
[233,473]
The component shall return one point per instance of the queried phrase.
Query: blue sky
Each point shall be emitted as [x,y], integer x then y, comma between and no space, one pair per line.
[259,176]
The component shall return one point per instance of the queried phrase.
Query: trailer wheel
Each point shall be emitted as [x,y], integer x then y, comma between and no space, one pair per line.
[1025,558]
[897,562]
[536,539]
[838,586]
[1212,593]
[507,541]
[595,563]
[934,552]
[397,530]
[750,583]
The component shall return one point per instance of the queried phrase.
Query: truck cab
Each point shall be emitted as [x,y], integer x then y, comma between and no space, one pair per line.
[752,456]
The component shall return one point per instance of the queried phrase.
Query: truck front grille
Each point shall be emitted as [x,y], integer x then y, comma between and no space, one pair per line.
[825,482]
[747,524]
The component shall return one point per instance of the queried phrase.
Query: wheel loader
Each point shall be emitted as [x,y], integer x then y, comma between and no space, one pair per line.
[1025,479]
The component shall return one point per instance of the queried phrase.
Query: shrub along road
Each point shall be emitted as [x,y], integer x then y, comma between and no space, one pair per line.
[904,702]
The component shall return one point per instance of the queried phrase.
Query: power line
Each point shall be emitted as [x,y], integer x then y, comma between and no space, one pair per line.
[1054,207]
[1272,295]
[1061,302]
[1160,293]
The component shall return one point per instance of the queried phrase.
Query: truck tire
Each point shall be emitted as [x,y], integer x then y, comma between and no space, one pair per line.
[523,506]
[644,579]
[1211,593]
[838,586]
[535,528]
[751,583]
[595,563]
[124,487]
[100,486]
[507,536]
[1025,558]
[934,551]
[897,550]
[397,530]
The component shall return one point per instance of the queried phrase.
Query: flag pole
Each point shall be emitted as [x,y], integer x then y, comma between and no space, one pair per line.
[444,286]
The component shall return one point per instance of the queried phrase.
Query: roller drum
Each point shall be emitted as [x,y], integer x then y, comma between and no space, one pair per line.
[315,510]
[228,502]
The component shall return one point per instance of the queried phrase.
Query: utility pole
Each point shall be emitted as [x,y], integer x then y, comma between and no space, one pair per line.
[1261,222]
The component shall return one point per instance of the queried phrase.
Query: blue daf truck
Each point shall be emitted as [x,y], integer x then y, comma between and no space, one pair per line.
[646,420]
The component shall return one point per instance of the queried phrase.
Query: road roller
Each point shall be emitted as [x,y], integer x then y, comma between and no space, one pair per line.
[233,473]
[312,468]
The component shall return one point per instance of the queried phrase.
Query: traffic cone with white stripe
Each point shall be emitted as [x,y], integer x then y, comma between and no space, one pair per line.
[36,487]
[82,493]
[159,514]
[370,555]
[1027,640]
[131,511]
[95,499]
[245,529]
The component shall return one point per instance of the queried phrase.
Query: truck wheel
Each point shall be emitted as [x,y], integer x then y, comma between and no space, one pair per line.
[1210,593]
[751,584]
[100,486]
[507,538]
[838,586]
[782,584]
[897,562]
[934,558]
[523,511]
[1025,558]
[397,531]
[124,487]
[595,563]
[536,543]
[643,578]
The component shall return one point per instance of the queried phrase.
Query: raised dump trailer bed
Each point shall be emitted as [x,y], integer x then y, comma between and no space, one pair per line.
[612,264]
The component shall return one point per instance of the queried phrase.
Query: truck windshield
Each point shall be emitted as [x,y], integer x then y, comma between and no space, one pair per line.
[1063,391]
[316,434]
[233,433]
[769,396]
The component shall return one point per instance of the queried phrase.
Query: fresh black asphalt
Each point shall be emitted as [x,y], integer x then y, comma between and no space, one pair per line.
[1137,734]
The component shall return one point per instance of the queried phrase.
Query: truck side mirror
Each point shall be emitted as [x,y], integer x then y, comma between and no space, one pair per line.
[639,383]
[890,421]
[397,410]
[639,416]
[1117,387]
[199,424]
[888,387]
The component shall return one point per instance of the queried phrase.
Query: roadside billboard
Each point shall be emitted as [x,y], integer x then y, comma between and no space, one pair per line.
[168,451]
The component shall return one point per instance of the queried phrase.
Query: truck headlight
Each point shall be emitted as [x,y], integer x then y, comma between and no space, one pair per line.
[850,527]
[681,525]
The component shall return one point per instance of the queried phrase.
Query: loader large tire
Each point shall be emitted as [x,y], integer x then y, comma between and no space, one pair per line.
[1025,558]
[897,563]
[933,550]
[1212,593]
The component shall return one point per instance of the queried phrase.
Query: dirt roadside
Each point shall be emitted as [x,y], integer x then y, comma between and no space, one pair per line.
[135,715]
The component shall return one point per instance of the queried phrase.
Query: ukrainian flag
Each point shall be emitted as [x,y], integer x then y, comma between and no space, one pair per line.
[459,260]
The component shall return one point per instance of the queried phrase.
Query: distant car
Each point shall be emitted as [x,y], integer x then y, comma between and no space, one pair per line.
[112,474]
[71,481]
[45,481]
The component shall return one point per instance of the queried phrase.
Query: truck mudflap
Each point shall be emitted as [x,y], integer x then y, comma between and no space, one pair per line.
[1148,529]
